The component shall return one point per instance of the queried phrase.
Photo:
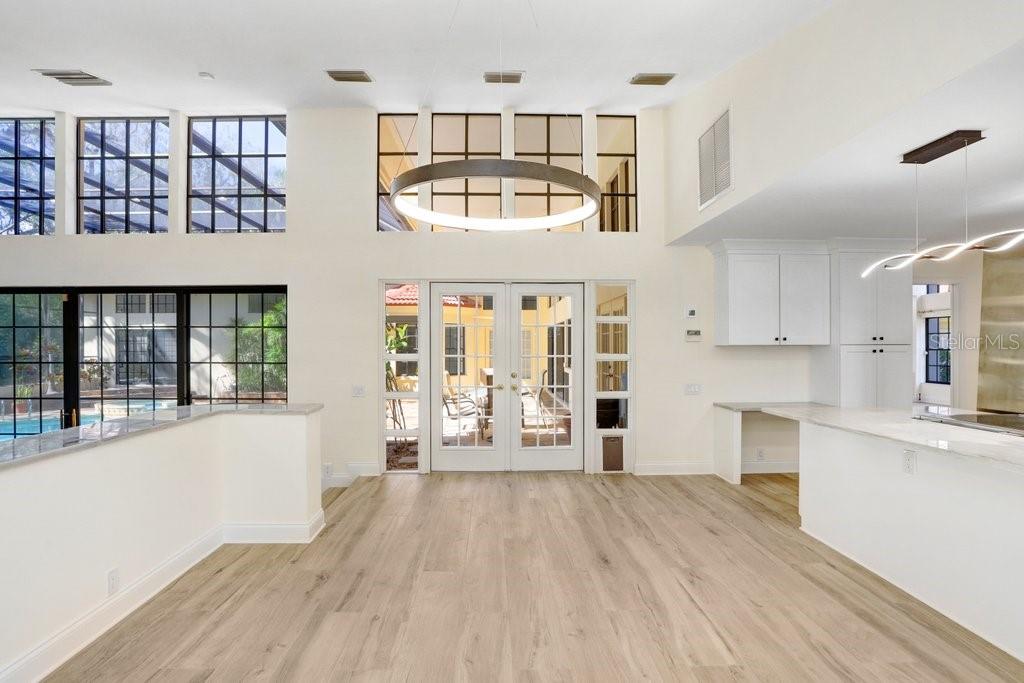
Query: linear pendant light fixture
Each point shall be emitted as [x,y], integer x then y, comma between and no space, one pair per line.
[1002,240]
[504,169]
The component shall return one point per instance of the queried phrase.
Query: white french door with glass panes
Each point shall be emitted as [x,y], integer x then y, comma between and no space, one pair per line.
[505,394]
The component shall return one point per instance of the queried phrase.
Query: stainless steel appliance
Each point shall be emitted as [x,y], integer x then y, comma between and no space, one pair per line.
[1008,423]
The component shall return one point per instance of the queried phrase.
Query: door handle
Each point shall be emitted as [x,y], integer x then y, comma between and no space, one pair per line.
[499,387]
[513,387]
[514,375]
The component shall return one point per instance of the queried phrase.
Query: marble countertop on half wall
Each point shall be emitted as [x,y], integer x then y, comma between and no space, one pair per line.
[29,448]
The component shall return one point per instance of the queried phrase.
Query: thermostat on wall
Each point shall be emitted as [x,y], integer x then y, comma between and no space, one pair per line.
[690,312]
[693,335]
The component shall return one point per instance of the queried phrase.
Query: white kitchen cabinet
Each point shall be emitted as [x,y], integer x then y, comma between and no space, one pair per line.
[768,297]
[895,376]
[877,309]
[875,376]
[804,299]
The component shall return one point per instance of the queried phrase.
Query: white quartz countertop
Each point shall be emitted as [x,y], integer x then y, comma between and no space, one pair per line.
[900,426]
[755,406]
[30,448]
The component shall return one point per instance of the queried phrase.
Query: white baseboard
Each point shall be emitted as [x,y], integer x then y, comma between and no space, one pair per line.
[57,649]
[334,481]
[674,467]
[363,469]
[275,533]
[771,467]
[348,477]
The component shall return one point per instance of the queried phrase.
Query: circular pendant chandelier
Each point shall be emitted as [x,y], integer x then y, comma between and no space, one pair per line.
[495,168]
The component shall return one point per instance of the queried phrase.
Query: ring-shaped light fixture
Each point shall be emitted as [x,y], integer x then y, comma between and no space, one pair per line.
[495,168]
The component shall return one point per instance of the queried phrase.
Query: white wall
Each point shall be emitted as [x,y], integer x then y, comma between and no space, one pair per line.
[778,438]
[331,258]
[824,82]
[149,506]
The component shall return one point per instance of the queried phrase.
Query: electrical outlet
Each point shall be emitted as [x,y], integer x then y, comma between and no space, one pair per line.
[328,470]
[909,462]
[693,389]
[759,454]
[358,391]
[113,581]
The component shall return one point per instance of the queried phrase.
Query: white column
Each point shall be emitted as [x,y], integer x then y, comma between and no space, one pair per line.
[65,177]
[590,161]
[177,175]
[425,142]
[508,151]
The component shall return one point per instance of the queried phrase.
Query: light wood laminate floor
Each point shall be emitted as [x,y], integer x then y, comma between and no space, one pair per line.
[488,577]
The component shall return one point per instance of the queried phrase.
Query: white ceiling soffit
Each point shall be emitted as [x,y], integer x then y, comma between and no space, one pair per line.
[271,56]
[861,190]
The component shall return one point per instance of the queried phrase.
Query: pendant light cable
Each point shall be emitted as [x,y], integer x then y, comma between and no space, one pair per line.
[967,237]
[917,207]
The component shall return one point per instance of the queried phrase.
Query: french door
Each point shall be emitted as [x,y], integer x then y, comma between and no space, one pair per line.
[506,391]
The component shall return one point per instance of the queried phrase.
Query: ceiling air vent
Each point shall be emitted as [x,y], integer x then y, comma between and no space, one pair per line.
[714,160]
[503,77]
[72,76]
[651,79]
[343,76]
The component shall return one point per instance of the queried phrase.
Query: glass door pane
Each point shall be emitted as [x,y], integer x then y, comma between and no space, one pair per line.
[545,398]
[469,397]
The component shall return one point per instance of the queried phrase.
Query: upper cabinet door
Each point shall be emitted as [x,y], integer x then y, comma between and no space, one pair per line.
[895,306]
[753,299]
[804,300]
[858,299]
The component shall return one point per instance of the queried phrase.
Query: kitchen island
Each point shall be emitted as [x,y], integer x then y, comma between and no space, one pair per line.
[933,508]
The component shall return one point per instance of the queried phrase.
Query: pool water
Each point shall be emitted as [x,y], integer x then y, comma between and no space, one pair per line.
[49,424]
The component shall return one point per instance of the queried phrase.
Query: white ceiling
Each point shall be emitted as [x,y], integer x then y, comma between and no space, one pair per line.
[270,56]
[861,190]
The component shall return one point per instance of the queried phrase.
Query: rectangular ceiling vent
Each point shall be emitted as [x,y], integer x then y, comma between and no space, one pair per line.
[72,76]
[651,79]
[715,165]
[342,76]
[503,77]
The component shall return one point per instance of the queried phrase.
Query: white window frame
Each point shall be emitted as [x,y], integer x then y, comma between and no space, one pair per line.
[422,360]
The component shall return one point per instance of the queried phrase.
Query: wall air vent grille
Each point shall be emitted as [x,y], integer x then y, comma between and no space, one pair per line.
[503,77]
[651,79]
[342,76]
[715,161]
[72,77]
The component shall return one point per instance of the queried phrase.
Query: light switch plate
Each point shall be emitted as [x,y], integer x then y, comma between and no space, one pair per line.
[693,389]
[358,391]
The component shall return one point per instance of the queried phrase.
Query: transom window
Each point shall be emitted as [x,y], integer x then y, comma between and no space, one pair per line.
[122,175]
[556,140]
[237,168]
[26,176]
[937,350]
[466,136]
[396,153]
[616,172]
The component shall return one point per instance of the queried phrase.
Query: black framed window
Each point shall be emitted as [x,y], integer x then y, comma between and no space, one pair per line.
[397,150]
[238,347]
[937,350]
[466,136]
[122,175]
[556,140]
[616,172]
[31,363]
[26,176]
[237,169]
[127,354]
